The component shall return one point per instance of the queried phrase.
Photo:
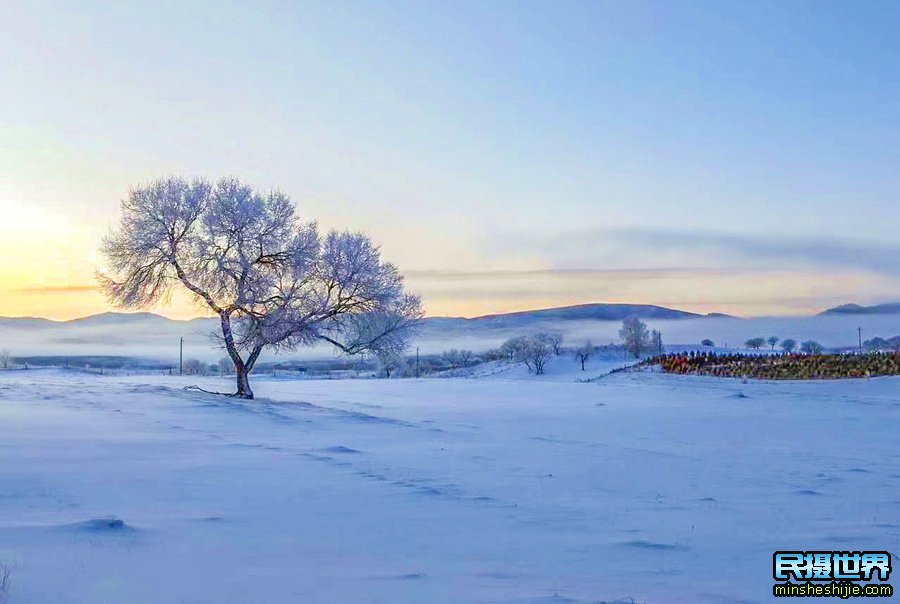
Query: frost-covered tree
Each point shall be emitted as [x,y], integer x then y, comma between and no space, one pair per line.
[772,340]
[493,354]
[553,340]
[811,347]
[535,355]
[451,358]
[532,351]
[194,367]
[389,361]
[635,336]
[466,357]
[789,345]
[584,352]
[224,366]
[509,347]
[457,358]
[273,281]
[5,356]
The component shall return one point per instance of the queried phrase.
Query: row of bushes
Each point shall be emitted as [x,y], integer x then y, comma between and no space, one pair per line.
[782,367]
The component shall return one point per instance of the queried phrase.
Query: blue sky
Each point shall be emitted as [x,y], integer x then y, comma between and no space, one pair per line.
[707,155]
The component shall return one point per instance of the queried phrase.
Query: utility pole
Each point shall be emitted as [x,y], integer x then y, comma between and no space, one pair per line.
[417,361]
[181,356]
[859,331]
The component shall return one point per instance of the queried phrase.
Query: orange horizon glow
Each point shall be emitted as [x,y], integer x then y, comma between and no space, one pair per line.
[66,302]
[54,259]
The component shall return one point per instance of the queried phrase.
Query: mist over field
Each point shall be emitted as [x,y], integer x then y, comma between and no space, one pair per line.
[154,337]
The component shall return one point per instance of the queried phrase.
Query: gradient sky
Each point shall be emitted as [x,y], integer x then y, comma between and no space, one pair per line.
[729,156]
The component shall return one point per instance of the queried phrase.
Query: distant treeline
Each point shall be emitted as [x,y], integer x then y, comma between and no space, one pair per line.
[89,362]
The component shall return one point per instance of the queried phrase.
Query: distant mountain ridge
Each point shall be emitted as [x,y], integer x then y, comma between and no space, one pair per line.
[150,336]
[104,318]
[580,312]
[855,309]
[594,311]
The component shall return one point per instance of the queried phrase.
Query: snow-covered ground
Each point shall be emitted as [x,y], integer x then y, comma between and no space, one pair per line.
[562,368]
[638,486]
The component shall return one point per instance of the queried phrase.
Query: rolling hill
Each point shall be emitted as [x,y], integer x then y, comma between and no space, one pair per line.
[855,309]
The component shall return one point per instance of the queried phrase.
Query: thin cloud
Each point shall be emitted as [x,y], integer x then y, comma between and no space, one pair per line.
[58,289]
[627,273]
[871,256]
[640,249]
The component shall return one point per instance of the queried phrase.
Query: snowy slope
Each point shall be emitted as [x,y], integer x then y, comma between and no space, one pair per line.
[562,368]
[439,490]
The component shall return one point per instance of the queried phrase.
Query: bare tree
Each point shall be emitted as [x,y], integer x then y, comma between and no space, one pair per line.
[5,358]
[789,345]
[535,355]
[553,340]
[811,347]
[457,358]
[755,343]
[509,347]
[772,340]
[493,354]
[635,336]
[225,366]
[389,361]
[194,367]
[466,357]
[532,351]
[584,352]
[273,281]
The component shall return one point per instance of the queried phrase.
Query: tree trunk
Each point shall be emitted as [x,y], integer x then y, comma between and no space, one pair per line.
[243,383]
[241,370]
